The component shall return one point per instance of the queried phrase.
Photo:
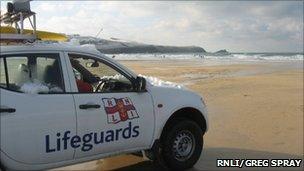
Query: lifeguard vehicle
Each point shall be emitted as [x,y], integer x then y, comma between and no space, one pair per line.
[62,105]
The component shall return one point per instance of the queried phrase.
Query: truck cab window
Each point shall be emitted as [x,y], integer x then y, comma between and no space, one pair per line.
[34,73]
[93,75]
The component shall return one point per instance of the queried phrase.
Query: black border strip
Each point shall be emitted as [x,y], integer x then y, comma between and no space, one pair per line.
[6,73]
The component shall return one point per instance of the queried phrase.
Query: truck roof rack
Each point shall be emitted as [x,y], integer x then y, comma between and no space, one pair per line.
[17,38]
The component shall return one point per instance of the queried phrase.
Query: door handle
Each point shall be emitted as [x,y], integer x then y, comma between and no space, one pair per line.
[89,106]
[7,110]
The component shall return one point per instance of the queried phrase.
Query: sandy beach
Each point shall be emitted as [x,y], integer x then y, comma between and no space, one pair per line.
[255,110]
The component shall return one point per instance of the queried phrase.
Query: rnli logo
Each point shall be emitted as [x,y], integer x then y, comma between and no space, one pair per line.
[119,110]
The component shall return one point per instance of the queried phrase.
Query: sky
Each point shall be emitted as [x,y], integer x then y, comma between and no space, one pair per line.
[238,26]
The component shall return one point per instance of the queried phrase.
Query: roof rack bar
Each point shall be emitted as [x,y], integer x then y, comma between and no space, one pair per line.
[18,37]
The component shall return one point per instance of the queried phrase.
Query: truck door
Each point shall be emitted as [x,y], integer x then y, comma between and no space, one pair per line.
[35,111]
[111,117]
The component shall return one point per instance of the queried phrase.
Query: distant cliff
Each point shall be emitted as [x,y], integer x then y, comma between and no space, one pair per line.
[117,46]
[150,49]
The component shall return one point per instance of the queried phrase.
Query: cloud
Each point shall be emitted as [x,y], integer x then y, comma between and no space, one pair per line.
[234,25]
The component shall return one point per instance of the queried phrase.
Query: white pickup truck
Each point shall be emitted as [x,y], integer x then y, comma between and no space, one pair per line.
[62,105]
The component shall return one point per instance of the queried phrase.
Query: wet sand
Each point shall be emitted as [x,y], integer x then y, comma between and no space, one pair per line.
[255,110]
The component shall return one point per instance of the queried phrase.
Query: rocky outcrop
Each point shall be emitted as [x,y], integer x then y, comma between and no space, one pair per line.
[222,52]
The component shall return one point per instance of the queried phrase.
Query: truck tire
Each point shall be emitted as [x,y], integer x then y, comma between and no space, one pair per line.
[182,145]
[2,167]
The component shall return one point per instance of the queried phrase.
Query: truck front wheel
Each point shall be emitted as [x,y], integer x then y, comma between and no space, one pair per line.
[182,145]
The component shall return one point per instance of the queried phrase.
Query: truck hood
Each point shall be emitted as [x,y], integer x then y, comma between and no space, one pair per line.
[169,88]
[153,81]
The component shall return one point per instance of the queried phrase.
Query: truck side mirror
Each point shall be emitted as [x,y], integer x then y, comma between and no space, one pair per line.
[140,84]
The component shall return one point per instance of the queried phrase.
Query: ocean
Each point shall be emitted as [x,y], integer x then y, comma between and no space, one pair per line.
[227,57]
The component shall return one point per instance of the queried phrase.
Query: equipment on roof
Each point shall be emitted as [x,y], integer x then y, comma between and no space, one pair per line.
[17,13]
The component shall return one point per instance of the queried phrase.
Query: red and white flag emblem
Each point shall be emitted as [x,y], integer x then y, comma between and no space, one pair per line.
[119,109]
